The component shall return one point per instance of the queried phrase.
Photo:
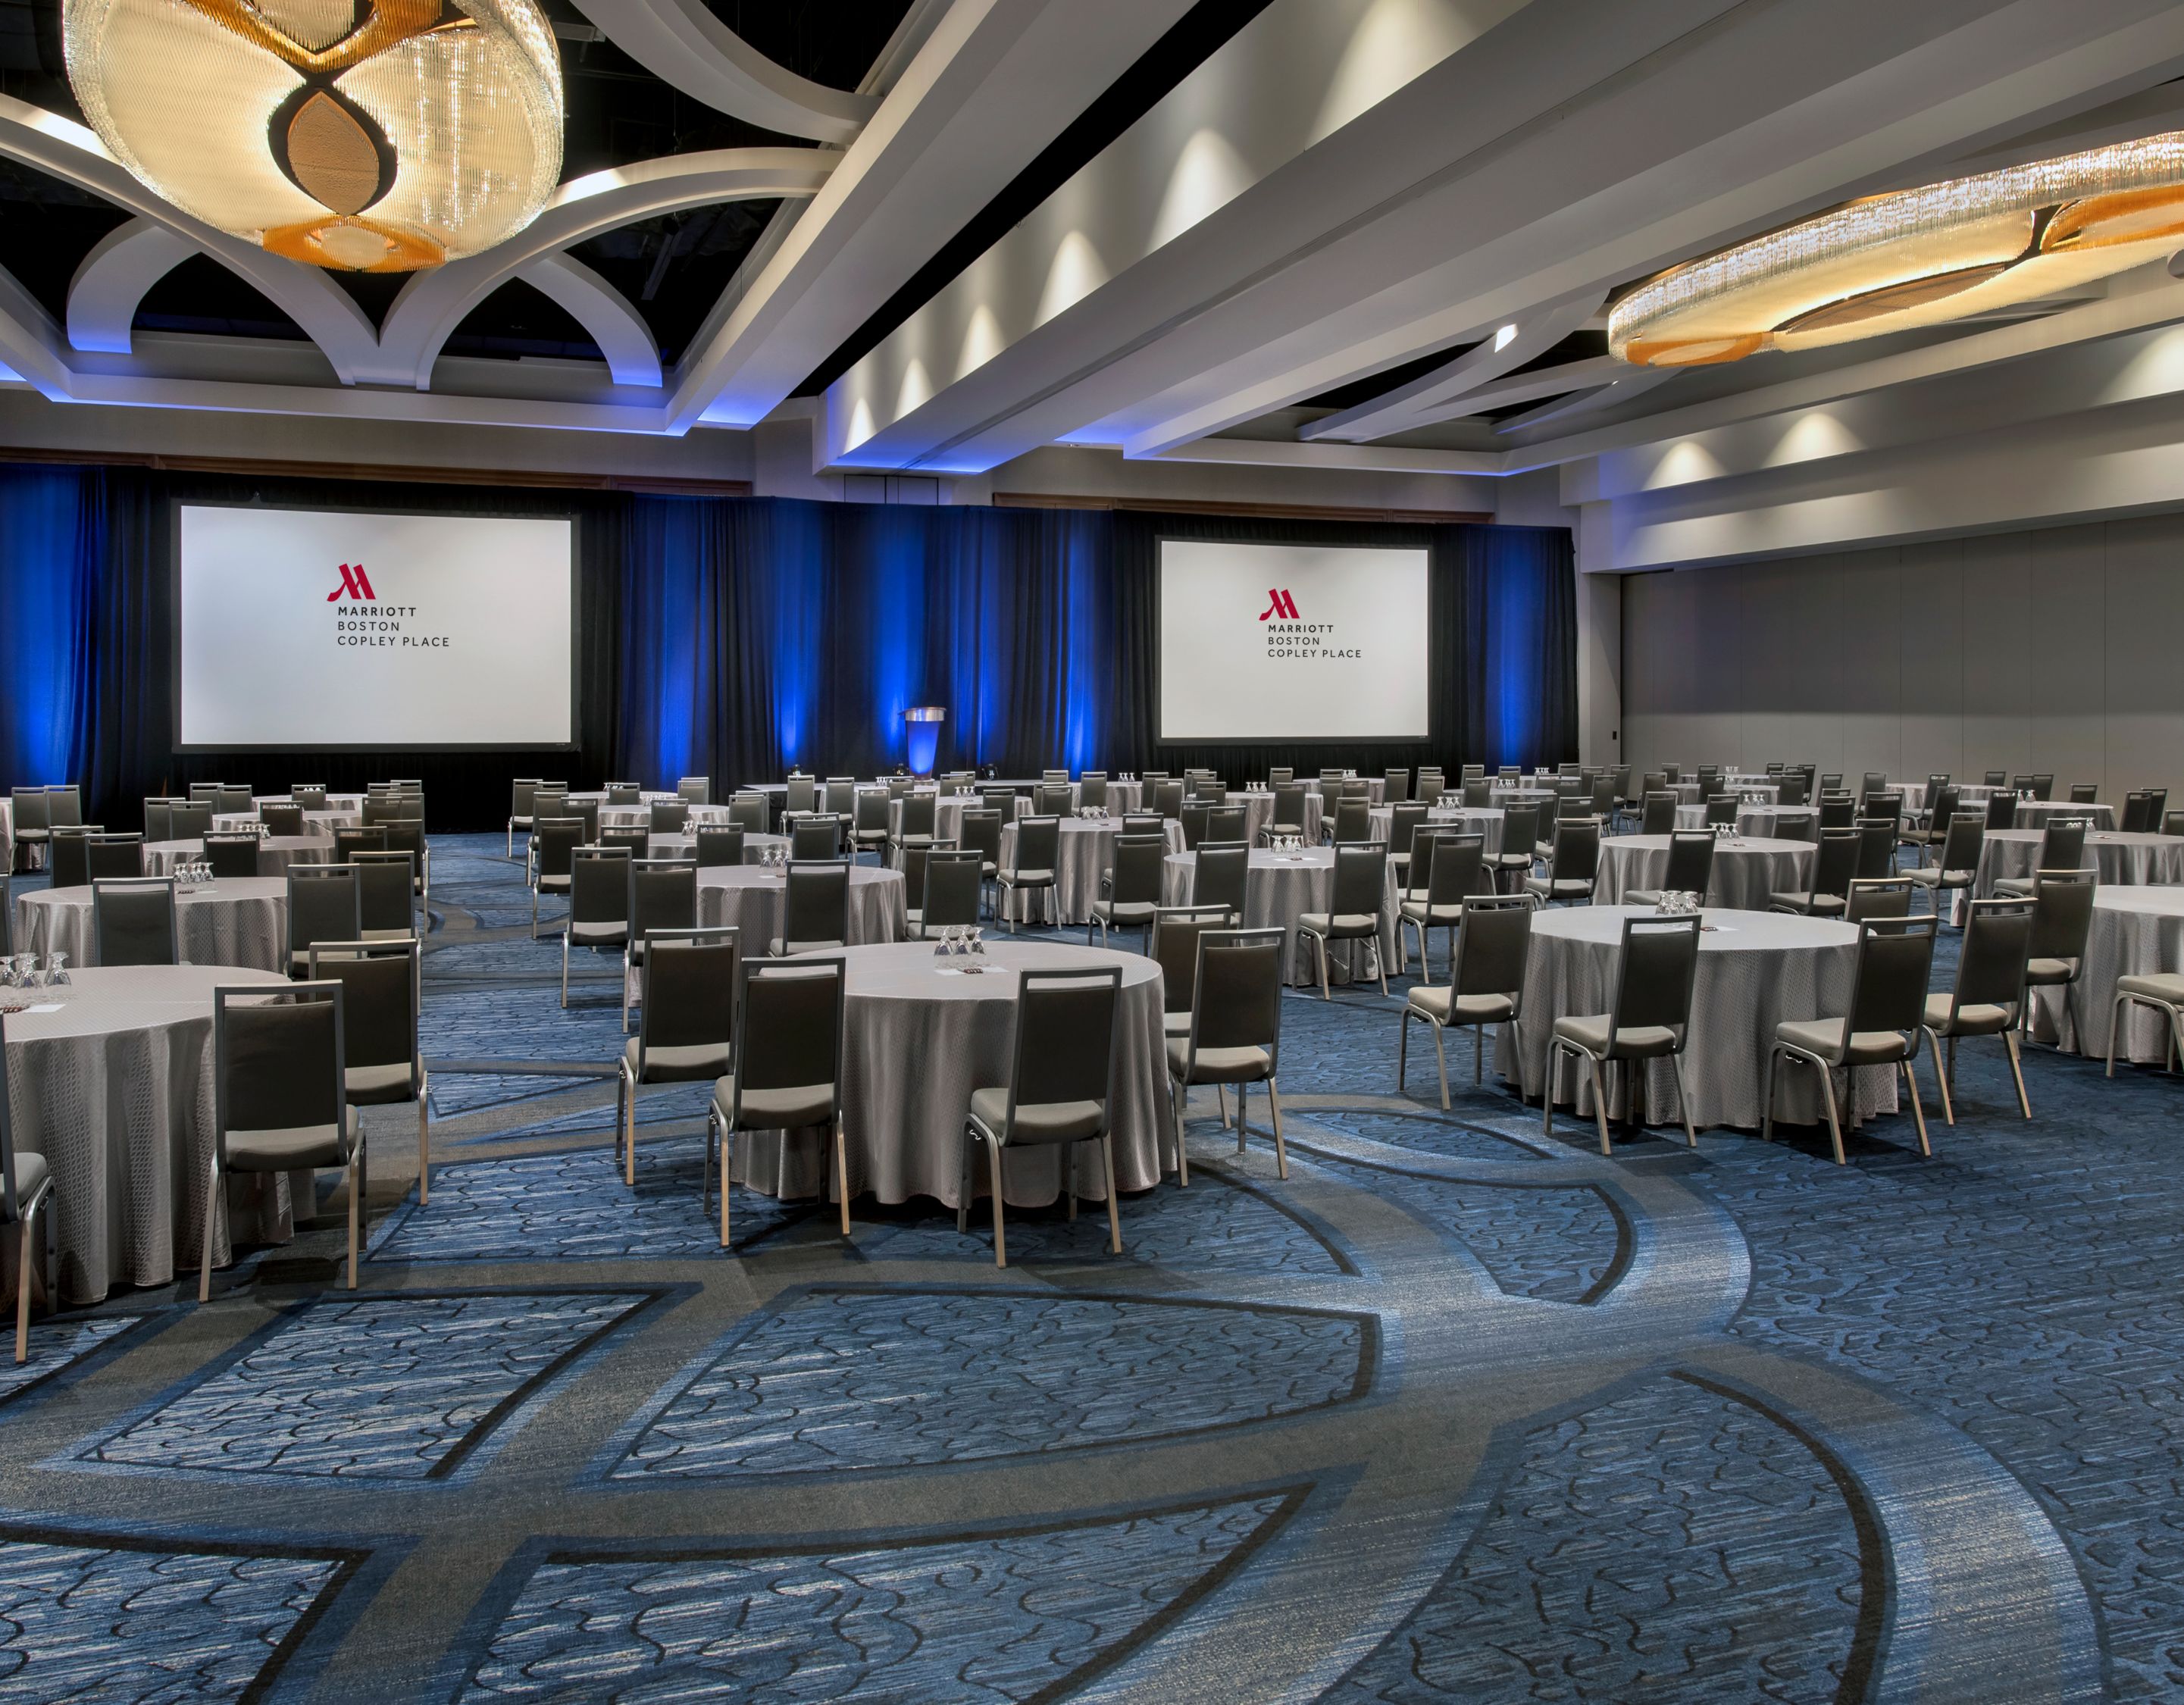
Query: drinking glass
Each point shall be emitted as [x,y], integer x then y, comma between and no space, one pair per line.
[978,940]
[56,970]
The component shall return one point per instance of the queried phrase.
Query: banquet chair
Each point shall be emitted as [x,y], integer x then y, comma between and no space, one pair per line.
[1959,861]
[1690,867]
[1837,811]
[913,867]
[1092,791]
[6,913]
[1221,876]
[1432,786]
[1572,864]
[899,787]
[1130,892]
[1885,806]
[1877,897]
[1280,775]
[1877,781]
[1942,809]
[1352,822]
[585,811]
[1226,823]
[1404,821]
[841,796]
[1037,854]
[112,855]
[2002,811]
[1603,800]
[325,904]
[1235,1033]
[750,813]
[280,1098]
[953,881]
[1709,780]
[205,793]
[1288,815]
[1193,818]
[2062,847]
[1057,777]
[1656,970]
[1444,871]
[1721,810]
[382,1065]
[554,842]
[407,835]
[869,833]
[980,832]
[1000,798]
[2172,823]
[1144,823]
[2043,786]
[33,825]
[230,855]
[1175,933]
[633,841]
[598,906]
[156,820]
[1655,782]
[663,895]
[2163,991]
[694,790]
[387,899]
[26,1184]
[786,1067]
[668,816]
[2062,921]
[1477,794]
[623,794]
[1833,868]
[1894,962]
[717,845]
[282,820]
[1394,787]
[1356,909]
[1520,833]
[1052,800]
[69,854]
[1989,998]
[801,794]
[685,1025]
[1486,983]
[1167,799]
[2085,792]
[133,921]
[2141,810]
[815,837]
[1791,790]
[1832,784]
[816,907]
[1060,1090]
[233,801]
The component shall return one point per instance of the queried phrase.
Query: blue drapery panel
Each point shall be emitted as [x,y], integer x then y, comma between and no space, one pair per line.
[49,527]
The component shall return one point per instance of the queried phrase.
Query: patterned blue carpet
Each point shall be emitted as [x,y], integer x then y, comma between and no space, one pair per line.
[1456,1413]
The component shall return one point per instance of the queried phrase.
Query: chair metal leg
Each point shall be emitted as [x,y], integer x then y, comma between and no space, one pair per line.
[424,1143]
[1402,1045]
[1380,960]
[1320,942]
[625,989]
[1834,1122]
[1944,1061]
[629,1141]
[1242,1090]
[24,1227]
[213,1197]
[1440,1059]
[1766,1096]
[1547,1091]
[564,971]
[1178,1101]
[842,1170]
[1114,1210]
[2017,1072]
[1684,1101]
[963,1184]
[1281,1152]
[1918,1110]
[727,1165]
[1221,1104]
[1599,1103]
[1001,1236]
[355,1203]
[1478,1052]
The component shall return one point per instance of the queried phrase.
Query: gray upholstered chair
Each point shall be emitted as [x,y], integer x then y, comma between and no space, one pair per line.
[717,846]
[554,842]
[282,820]
[1657,814]
[868,832]
[133,921]
[815,908]
[1288,815]
[686,1026]
[1357,908]
[980,832]
[1989,998]
[1445,871]
[1037,854]
[1130,892]
[325,904]
[1959,861]
[749,812]
[2062,847]
[1877,897]
[2062,921]
[107,856]
[662,895]
[382,1066]
[788,1062]
[817,835]
[32,825]
[948,894]
[1690,867]
[1176,930]
[599,908]
[1572,866]
[1833,868]
[387,899]
[1485,982]
[27,1185]
[1651,1019]
[694,790]
[1221,876]
[1234,1033]
[1887,1009]
[920,813]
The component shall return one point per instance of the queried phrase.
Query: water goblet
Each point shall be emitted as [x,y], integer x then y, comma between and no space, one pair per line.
[978,940]
[57,975]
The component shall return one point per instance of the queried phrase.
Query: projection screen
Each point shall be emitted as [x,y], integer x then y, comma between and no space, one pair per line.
[1290,643]
[323,628]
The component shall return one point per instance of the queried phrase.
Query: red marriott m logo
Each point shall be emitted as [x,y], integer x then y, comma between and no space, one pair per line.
[353,583]
[1282,606]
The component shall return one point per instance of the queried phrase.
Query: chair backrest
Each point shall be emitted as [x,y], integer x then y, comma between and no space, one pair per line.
[802,795]
[919,812]
[672,816]
[1657,814]
[553,841]
[1961,850]
[1279,775]
[1453,861]
[1221,877]
[68,862]
[1237,994]
[1051,800]
[1051,777]
[1998,941]
[719,844]
[1193,816]
[1721,808]
[1837,811]
[1403,822]
[1691,861]
[841,795]
[1394,787]
[29,808]
[899,787]
[1176,930]
[280,819]
[2062,913]
[1997,778]
[1895,960]
[2172,823]
[385,886]
[1226,823]
[1576,856]
[748,812]
[1138,865]
[1655,973]
[1000,799]
[1875,781]
[325,904]
[2063,843]
[156,819]
[1353,819]
[789,1024]
[2085,792]
[1432,784]
[133,921]
[981,833]
[1167,799]
[633,841]
[1039,843]
[65,806]
[519,796]
[1791,790]
[1493,945]
[407,835]
[1065,1039]
[1877,896]
[203,792]
[949,892]
[1520,827]
[113,855]
[277,1062]
[663,895]
[689,990]
[1145,823]
[1478,793]
[871,818]
[2140,813]
[230,856]
[599,884]
[1289,805]
[1885,802]
[815,838]
[2043,786]
[1836,863]
[818,903]
[380,987]
[350,840]
[1942,801]
[1360,878]
[696,790]
[623,794]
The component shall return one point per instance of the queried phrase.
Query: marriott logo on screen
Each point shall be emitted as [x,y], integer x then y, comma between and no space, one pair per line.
[1280,604]
[1289,638]
[382,625]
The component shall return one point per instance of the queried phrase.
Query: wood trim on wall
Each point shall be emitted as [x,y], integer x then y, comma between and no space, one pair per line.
[1048,500]
[251,467]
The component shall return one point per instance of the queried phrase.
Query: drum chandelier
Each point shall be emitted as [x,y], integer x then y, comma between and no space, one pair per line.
[366,136]
[1918,257]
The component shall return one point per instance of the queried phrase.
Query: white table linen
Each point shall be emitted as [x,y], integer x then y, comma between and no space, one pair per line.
[275,853]
[2136,860]
[755,900]
[1085,850]
[2135,931]
[1279,888]
[2033,814]
[239,920]
[1763,822]
[1745,871]
[1482,821]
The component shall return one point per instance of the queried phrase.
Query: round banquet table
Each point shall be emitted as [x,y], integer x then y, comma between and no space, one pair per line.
[755,900]
[2134,861]
[275,853]
[948,815]
[921,1038]
[640,817]
[2033,814]
[337,805]
[114,1088]
[1968,794]
[1258,805]
[1763,821]
[1279,888]
[1756,970]
[1481,821]
[685,846]
[1122,796]
[1745,871]
[240,921]
[323,822]
[2135,931]
[1086,848]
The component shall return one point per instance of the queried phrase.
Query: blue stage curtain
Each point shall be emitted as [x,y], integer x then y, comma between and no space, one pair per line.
[48,589]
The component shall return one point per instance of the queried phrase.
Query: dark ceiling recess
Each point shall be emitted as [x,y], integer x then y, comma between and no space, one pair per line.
[1199,33]
[1379,384]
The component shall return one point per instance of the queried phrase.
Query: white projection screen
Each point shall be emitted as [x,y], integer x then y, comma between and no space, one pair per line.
[1290,643]
[323,628]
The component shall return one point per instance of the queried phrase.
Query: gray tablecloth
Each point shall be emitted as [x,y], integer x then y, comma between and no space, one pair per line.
[1745,871]
[115,1089]
[682,846]
[1280,887]
[755,900]
[2135,931]
[241,920]
[1259,810]
[2031,814]
[1762,822]
[1756,970]
[314,823]
[920,1040]
[275,853]
[1485,821]
[948,814]
[640,817]
[1087,850]
[2134,861]
[1915,792]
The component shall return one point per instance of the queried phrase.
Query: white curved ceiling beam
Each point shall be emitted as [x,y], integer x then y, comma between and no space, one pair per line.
[685,45]
[1612,395]
[103,295]
[328,315]
[1442,393]
[601,310]
[432,304]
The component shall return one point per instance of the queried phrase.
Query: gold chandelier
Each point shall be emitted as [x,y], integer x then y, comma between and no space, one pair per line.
[367,136]
[1918,257]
